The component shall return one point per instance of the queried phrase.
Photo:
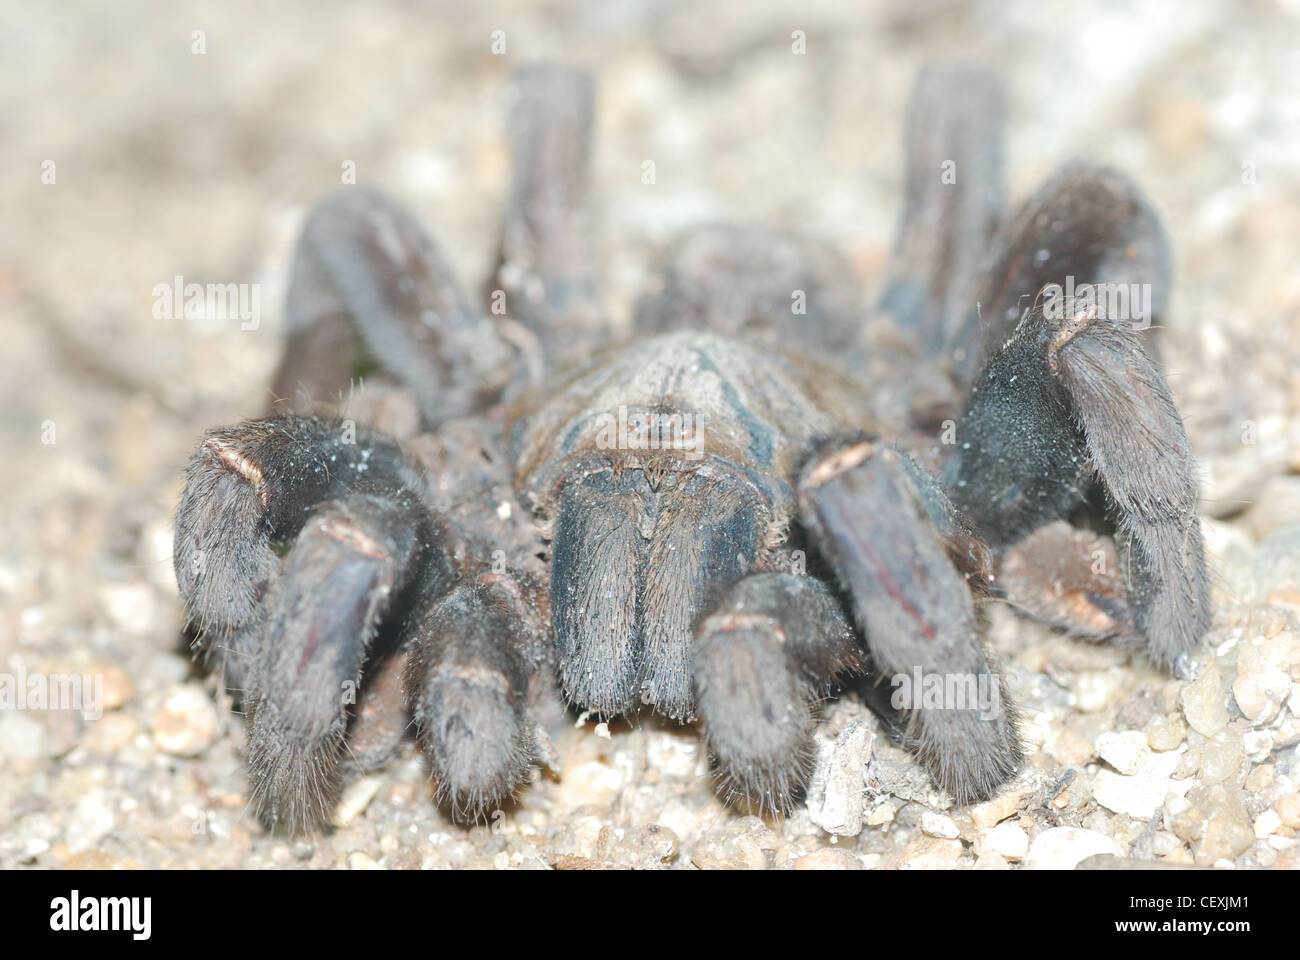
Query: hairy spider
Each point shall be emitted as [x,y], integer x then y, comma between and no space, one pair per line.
[767,490]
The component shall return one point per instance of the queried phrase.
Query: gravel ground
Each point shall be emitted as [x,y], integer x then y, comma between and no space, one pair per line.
[168,162]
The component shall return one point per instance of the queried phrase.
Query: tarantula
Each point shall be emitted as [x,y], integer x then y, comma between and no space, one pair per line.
[764,491]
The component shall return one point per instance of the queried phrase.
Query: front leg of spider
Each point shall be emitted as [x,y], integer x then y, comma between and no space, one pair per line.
[362,546]
[769,648]
[909,562]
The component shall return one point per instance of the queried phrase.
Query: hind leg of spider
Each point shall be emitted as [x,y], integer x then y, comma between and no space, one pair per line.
[952,200]
[910,562]
[769,648]
[546,276]
[371,288]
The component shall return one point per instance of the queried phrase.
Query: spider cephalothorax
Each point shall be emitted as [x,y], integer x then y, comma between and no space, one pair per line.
[528,504]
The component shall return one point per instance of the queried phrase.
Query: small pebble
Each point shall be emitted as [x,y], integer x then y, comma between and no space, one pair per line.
[928,853]
[1062,848]
[1007,840]
[1258,744]
[1225,838]
[1142,794]
[1094,690]
[1266,824]
[1260,692]
[1166,733]
[1221,755]
[186,724]
[1069,749]
[359,861]
[92,819]
[735,844]
[111,733]
[354,800]
[938,825]
[1163,843]
[1260,777]
[1004,805]
[827,859]
[118,688]
[1123,751]
[1203,702]
[1215,824]
[33,847]
[991,860]
[1287,733]
[22,737]
[1288,859]
[131,606]
[880,815]
[1288,810]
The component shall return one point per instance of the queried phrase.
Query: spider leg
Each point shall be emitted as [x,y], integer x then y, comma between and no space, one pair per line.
[909,561]
[546,265]
[343,573]
[477,651]
[369,286]
[301,627]
[253,484]
[1076,402]
[1091,224]
[769,647]
[952,200]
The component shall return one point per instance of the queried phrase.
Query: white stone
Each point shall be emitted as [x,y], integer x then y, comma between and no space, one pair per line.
[938,825]
[90,822]
[34,847]
[1007,840]
[839,779]
[1062,848]
[1142,794]
[1093,690]
[1203,702]
[186,724]
[131,606]
[21,736]
[1260,693]
[1123,751]
[880,815]
[1267,824]
[356,797]
[1258,744]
